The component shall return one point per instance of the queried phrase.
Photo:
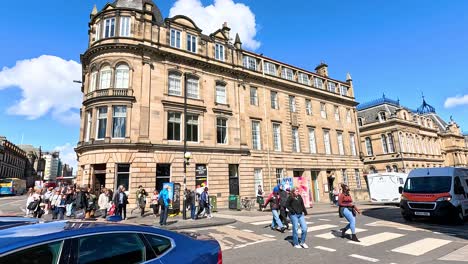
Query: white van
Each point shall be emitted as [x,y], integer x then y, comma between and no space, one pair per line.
[383,187]
[436,192]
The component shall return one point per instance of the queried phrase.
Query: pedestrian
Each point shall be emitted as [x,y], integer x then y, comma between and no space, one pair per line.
[121,200]
[54,203]
[164,201]
[137,199]
[70,203]
[29,200]
[336,193]
[81,202]
[155,203]
[348,210]
[92,204]
[103,202]
[274,201]
[260,200]
[61,206]
[283,198]
[191,201]
[141,201]
[205,203]
[47,195]
[35,205]
[297,211]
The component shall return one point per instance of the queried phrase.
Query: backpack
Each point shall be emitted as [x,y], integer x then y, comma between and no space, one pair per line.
[33,205]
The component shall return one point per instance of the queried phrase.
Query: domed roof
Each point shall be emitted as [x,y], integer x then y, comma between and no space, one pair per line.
[140,5]
[425,108]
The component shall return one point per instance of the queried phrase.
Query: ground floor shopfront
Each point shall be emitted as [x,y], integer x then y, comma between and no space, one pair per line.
[224,173]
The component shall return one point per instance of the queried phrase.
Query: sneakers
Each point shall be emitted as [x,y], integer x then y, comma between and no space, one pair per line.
[282,229]
[297,246]
[304,245]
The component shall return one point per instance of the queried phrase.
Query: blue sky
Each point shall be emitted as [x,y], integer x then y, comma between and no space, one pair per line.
[400,48]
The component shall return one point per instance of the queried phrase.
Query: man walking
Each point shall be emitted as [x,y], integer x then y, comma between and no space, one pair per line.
[204,203]
[121,200]
[164,201]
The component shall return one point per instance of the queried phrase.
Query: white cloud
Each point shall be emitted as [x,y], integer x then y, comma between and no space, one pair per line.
[211,18]
[47,86]
[67,155]
[456,101]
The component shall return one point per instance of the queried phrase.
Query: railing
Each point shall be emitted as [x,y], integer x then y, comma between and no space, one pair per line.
[109,92]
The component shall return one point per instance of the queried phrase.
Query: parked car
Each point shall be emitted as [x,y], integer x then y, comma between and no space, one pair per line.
[70,242]
[12,221]
[436,192]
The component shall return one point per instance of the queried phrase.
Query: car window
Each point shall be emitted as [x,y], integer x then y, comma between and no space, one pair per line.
[116,248]
[457,185]
[43,254]
[159,244]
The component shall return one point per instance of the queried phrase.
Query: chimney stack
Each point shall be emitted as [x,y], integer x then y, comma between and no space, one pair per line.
[322,69]
[226,29]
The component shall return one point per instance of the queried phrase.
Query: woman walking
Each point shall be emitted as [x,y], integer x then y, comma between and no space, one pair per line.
[29,200]
[297,211]
[103,202]
[348,210]
[274,201]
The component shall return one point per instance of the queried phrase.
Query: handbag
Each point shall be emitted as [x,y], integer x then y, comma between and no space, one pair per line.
[111,210]
[33,205]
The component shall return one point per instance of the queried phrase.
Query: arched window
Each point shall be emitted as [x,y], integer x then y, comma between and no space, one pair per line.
[404,116]
[391,146]
[388,168]
[175,87]
[93,80]
[384,144]
[121,76]
[395,168]
[372,170]
[369,146]
[105,77]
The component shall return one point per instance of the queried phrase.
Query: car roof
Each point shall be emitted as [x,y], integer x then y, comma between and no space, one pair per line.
[387,174]
[26,235]
[440,172]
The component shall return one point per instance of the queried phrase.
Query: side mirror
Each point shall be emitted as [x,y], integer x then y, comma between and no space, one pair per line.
[400,190]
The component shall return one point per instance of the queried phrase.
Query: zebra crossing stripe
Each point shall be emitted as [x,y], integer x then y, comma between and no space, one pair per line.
[325,249]
[457,255]
[261,222]
[268,235]
[422,246]
[319,227]
[330,235]
[326,220]
[247,230]
[376,239]
[364,258]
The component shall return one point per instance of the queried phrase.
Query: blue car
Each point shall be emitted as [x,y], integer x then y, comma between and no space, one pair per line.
[11,221]
[70,242]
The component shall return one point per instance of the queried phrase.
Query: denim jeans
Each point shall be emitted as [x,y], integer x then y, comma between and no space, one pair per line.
[192,211]
[276,220]
[351,219]
[163,216]
[298,219]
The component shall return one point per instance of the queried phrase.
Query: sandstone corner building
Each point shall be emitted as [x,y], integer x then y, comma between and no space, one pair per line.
[251,120]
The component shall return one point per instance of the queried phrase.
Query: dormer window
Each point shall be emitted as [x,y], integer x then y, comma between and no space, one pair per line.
[191,43]
[250,63]
[219,52]
[109,27]
[360,121]
[269,68]
[303,78]
[382,117]
[287,73]
[344,90]
[331,87]
[175,38]
[125,26]
[318,83]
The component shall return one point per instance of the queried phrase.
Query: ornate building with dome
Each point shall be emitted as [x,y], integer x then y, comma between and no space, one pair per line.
[249,119]
[396,138]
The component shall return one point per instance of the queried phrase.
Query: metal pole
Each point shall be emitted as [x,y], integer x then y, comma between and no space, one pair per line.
[184,209]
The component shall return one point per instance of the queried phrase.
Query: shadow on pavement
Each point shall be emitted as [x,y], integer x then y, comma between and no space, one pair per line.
[392,217]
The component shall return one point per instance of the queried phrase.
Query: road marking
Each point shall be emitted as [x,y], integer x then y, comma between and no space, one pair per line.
[3,204]
[229,238]
[422,246]
[330,235]
[261,223]
[247,230]
[344,222]
[230,226]
[395,225]
[376,239]
[319,227]
[267,235]
[327,220]
[325,248]
[437,233]
[457,255]
[364,258]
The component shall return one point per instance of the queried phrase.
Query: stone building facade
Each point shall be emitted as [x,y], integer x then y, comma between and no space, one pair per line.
[250,119]
[12,160]
[396,138]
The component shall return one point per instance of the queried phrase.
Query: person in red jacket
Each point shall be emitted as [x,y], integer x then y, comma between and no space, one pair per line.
[348,210]
[274,201]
